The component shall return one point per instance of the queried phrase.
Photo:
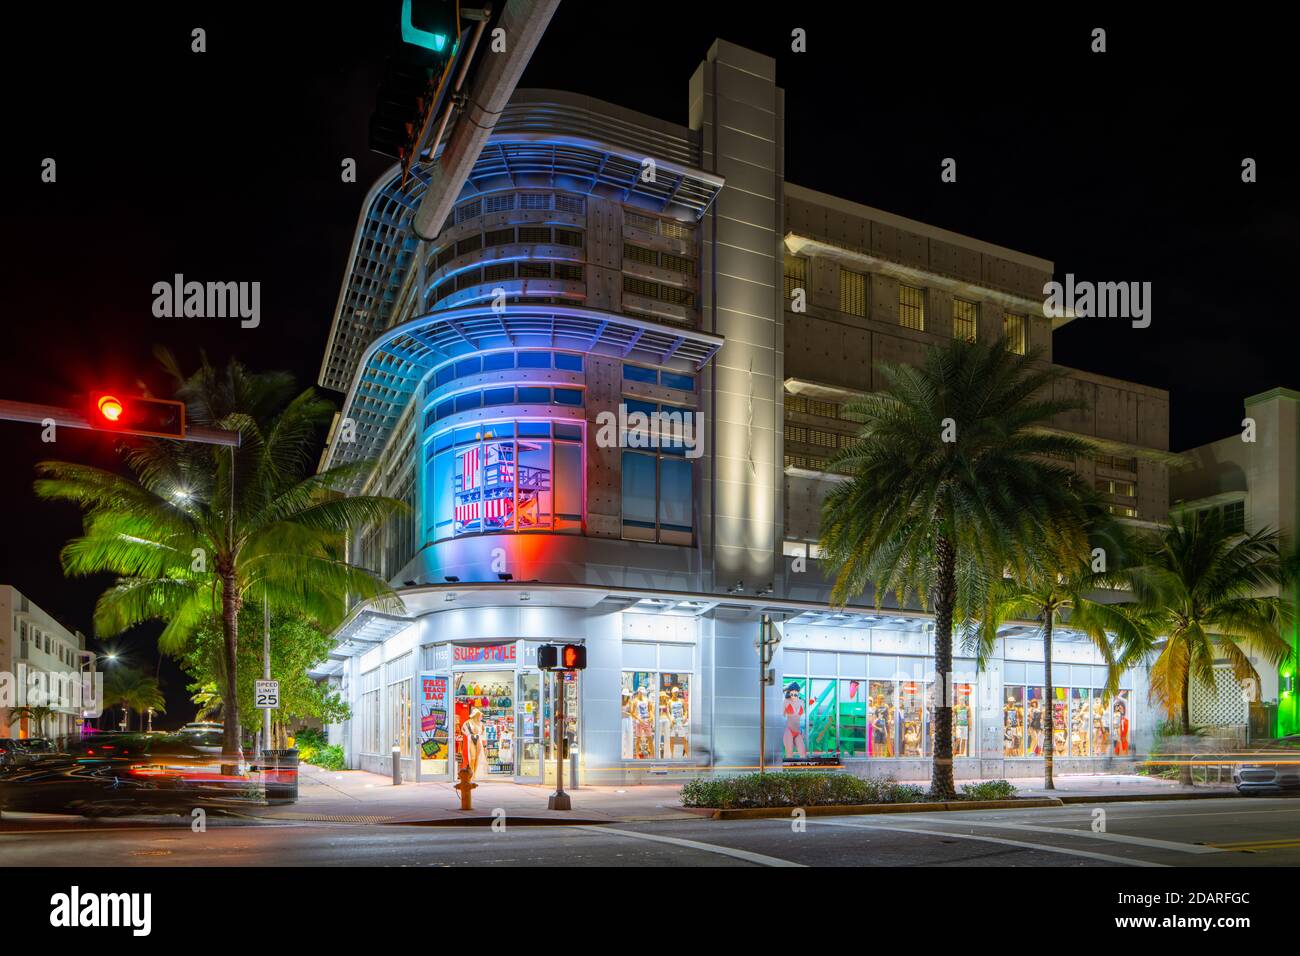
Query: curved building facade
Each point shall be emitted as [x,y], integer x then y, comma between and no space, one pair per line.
[610,421]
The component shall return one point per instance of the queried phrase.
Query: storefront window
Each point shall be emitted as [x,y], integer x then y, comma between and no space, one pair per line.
[370,723]
[882,719]
[1080,716]
[1060,721]
[1120,723]
[1013,723]
[433,696]
[399,698]
[912,715]
[1100,723]
[1035,721]
[505,476]
[656,715]
[853,718]
[961,716]
[823,740]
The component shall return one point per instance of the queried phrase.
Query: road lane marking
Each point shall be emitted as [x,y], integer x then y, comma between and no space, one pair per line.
[1093,835]
[1122,861]
[1257,845]
[746,855]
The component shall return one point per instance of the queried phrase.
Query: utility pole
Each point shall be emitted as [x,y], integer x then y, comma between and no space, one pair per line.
[266,669]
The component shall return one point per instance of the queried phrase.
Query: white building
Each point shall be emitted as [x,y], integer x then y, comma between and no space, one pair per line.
[36,651]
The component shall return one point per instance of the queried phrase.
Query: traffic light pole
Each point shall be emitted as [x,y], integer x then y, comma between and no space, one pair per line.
[559,800]
[71,418]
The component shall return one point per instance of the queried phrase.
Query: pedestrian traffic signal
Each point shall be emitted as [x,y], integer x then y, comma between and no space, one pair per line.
[562,657]
[135,415]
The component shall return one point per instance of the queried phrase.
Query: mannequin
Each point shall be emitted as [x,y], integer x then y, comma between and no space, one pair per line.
[627,723]
[1121,729]
[793,738]
[475,747]
[643,724]
[1035,727]
[679,724]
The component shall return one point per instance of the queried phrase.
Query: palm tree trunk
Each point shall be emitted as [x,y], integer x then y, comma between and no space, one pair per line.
[232,739]
[942,785]
[1049,718]
[1185,768]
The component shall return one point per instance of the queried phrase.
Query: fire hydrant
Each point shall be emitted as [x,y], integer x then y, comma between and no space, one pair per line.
[465,787]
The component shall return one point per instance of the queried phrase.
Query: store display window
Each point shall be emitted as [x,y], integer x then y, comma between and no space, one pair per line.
[1013,723]
[1060,721]
[853,717]
[1035,721]
[961,718]
[882,719]
[912,718]
[1120,726]
[1100,723]
[1080,722]
[656,715]
[823,737]
[794,712]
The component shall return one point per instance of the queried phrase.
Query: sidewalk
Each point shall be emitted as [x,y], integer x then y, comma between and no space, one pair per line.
[355,796]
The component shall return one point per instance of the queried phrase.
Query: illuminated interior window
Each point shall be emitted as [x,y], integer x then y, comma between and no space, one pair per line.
[911,307]
[853,292]
[965,320]
[1013,330]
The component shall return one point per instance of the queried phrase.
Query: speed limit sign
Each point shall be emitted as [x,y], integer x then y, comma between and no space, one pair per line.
[266,694]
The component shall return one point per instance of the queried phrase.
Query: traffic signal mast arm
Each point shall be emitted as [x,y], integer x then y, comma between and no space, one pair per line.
[74,418]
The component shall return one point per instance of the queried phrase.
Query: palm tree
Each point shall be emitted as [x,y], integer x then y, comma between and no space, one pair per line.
[954,469]
[1201,583]
[1061,589]
[133,690]
[37,714]
[197,528]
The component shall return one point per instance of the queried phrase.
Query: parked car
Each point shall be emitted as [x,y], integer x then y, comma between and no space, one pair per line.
[1271,767]
[15,752]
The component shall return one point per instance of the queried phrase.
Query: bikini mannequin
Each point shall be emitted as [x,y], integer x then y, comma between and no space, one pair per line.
[475,747]
[793,737]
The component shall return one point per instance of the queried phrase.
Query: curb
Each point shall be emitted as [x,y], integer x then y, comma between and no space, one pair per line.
[771,813]
[1139,798]
[479,821]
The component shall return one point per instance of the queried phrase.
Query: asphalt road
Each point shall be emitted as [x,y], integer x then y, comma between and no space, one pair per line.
[1226,832]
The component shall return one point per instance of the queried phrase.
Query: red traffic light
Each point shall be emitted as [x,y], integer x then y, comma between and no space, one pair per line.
[155,417]
[110,408]
[562,657]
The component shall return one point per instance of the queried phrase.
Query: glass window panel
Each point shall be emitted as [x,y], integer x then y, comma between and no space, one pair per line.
[911,718]
[567,431]
[1060,721]
[568,396]
[498,396]
[468,401]
[533,394]
[794,740]
[534,429]
[468,366]
[568,486]
[823,738]
[498,360]
[1099,723]
[445,374]
[568,361]
[441,488]
[882,718]
[1034,721]
[635,373]
[534,359]
[675,716]
[685,383]
[1080,722]
[1013,672]
[1120,725]
[1013,723]
[853,717]
[466,435]
[444,409]
[638,715]
[638,491]
[636,405]
[535,508]
[675,511]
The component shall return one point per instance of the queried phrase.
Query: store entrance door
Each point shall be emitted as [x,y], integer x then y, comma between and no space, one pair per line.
[483,720]
[528,727]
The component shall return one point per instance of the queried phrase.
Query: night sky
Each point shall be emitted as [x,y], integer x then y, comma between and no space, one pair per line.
[1123,166]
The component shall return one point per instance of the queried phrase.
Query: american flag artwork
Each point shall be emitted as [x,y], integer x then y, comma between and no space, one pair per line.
[485,487]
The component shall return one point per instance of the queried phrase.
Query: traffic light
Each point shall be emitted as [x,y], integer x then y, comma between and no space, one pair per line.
[135,415]
[429,31]
[429,23]
[562,657]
